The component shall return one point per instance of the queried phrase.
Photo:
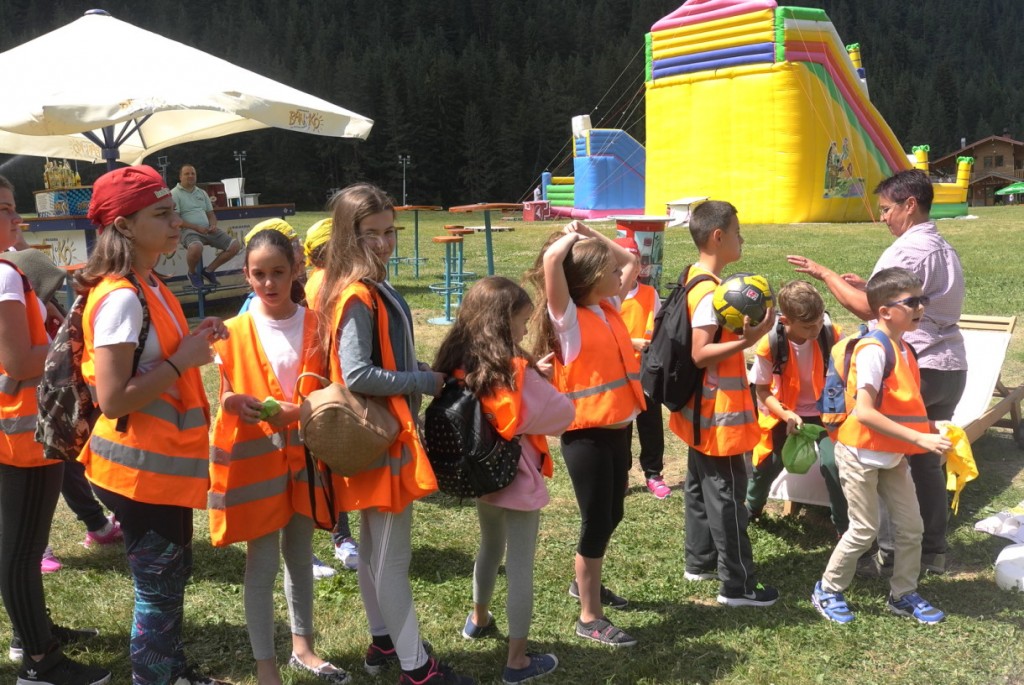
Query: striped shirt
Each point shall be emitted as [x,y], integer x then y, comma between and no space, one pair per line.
[923,251]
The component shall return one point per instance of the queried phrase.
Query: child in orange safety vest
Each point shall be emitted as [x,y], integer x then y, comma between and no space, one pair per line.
[256,493]
[788,376]
[717,545]
[640,304]
[483,348]
[579,276]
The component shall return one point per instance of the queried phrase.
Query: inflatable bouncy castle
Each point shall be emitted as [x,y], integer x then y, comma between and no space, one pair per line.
[762,106]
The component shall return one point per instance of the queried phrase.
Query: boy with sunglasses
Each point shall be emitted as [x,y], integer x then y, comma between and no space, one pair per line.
[888,423]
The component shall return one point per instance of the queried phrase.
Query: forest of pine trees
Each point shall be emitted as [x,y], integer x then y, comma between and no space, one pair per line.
[480,93]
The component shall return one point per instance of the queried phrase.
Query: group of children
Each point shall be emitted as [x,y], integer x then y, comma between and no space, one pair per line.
[578,381]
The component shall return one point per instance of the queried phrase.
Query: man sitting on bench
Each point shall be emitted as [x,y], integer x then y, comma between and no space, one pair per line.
[199,227]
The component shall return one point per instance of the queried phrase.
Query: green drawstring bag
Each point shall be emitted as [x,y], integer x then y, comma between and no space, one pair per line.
[798,454]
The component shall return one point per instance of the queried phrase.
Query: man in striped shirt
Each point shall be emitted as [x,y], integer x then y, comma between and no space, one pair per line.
[904,203]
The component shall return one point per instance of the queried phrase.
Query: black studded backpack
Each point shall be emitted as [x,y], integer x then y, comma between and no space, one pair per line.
[469,457]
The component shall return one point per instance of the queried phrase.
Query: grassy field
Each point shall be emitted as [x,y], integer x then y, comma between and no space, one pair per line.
[685,637]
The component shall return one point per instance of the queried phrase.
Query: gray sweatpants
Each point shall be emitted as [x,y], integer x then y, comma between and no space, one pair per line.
[295,543]
[385,550]
[511,534]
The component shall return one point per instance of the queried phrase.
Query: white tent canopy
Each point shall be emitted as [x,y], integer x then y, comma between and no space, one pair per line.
[142,93]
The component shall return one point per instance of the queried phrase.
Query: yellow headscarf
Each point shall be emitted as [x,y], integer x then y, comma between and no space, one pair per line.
[317,235]
[279,225]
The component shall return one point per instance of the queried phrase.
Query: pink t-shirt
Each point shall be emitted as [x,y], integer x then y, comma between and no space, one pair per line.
[545,411]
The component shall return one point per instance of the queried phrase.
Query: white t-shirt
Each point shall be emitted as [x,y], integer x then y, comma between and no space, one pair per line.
[12,288]
[118,320]
[282,343]
[803,356]
[870,361]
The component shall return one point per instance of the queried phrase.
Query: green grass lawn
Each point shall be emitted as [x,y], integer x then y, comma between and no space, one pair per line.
[685,636]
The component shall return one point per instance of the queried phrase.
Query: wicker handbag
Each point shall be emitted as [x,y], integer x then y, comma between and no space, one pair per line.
[345,430]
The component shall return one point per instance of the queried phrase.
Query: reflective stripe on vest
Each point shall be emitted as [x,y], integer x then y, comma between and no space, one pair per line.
[148,460]
[900,401]
[603,382]
[18,408]
[249,493]
[728,422]
[403,474]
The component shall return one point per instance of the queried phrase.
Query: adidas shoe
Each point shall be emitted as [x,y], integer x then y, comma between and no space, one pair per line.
[64,637]
[57,669]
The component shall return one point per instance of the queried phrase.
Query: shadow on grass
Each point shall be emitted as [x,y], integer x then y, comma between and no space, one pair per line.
[439,565]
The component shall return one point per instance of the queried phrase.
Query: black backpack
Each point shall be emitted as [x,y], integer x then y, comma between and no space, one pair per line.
[66,408]
[469,457]
[667,372]
[778,345]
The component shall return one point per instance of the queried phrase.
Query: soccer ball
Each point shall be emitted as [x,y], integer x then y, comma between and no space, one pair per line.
[742,295]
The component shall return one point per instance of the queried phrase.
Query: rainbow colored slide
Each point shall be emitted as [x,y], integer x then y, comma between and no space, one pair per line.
[762,106]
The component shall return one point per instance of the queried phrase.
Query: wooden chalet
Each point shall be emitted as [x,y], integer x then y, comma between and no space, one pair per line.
[998,162]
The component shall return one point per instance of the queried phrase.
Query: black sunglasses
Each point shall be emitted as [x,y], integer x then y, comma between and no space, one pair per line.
[913,302]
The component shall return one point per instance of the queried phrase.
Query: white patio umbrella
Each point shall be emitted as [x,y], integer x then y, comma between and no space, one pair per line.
[141,93]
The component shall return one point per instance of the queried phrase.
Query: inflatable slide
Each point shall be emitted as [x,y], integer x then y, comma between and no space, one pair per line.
[608,167]
[762,106]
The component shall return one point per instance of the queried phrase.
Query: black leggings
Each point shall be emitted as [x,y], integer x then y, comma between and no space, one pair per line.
[597,460]
[28,498]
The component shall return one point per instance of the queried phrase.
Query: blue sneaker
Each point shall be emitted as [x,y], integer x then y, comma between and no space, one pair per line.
[540,666]
[472,631]
[915,606]
[831,605]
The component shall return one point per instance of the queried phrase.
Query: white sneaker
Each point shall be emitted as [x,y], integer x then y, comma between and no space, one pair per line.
[321,570]
[347,553]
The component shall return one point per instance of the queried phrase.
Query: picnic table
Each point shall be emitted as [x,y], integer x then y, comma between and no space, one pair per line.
[487,208]
[416,209]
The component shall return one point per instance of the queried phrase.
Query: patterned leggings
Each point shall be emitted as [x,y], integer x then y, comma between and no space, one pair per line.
[158,540]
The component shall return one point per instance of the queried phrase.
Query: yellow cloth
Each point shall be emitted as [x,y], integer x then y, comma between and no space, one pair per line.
[960,466]
[318,234]
[279,225]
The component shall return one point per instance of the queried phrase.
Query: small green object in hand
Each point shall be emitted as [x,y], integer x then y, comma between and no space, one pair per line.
[798,453]
[270,408]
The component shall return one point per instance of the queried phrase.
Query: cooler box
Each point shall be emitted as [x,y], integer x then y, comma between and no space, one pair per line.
[536,210]
[63,202]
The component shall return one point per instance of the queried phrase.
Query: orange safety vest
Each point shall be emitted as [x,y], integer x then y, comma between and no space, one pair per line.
[253,466]
[403,475]
[901,402]
[786,389]
[603,382]
[162,457]
[18,409]
[504,406]
[638,313]
[728,425]
[314,282]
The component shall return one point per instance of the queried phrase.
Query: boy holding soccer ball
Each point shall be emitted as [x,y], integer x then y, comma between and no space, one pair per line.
[725,426]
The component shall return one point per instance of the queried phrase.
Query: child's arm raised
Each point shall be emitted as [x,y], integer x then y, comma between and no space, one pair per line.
[622,256]
[556,288]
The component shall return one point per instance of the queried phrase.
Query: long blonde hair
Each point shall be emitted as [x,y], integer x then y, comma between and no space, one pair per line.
[584,266]
[347,256]
[480,342]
